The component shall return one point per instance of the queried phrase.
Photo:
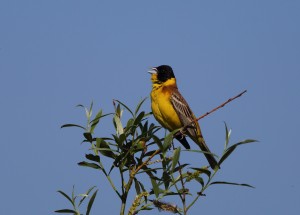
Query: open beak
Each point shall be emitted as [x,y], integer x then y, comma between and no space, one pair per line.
[153,70]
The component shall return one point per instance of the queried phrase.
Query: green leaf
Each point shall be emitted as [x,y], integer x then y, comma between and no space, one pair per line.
[66,211]
[232,148]
[157,141]
[139,118]
[129,124]
[87,113]
[230,183]
[166,179]
[200,180]
[91,108]
[121,140]
[118,159]
[111,169]
[180,167]
[97,118]
[91,165]
[104,148]
[202,170]
[168,139]
[155,187]
[95,121]
[137,186]
[66,196]
[244,142]
[142,186]
[89,207]
[86,195]
[92,157]
[172,194]
[139,106]
[145,127]
[225,155]
[124,106]
[118,124]
[228,132]
[80,105]
[176,156]
[149,170]
[88,136]
[73,195]
[72,125]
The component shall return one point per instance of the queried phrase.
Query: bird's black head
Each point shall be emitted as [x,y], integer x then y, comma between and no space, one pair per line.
[164,73]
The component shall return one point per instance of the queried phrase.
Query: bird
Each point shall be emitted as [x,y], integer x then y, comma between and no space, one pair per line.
[172,111]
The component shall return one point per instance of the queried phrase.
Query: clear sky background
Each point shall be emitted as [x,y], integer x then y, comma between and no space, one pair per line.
[57,54]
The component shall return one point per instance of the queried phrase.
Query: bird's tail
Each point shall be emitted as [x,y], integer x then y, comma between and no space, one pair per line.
[201,143]
[183,141]
[210,158]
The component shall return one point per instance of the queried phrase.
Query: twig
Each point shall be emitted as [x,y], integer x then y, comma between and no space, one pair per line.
[144,163]
[182,197]
[183,189]
[222,105]
[131,178]
[213,110]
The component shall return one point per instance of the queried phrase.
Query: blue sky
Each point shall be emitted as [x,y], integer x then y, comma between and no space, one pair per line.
[57,54]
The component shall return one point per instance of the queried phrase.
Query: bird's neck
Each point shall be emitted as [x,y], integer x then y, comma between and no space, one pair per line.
[169,83]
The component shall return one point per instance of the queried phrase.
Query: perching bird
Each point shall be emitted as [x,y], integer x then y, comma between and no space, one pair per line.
[172,111]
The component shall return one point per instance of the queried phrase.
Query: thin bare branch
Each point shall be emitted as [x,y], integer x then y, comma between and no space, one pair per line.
[213,110]
[144,163]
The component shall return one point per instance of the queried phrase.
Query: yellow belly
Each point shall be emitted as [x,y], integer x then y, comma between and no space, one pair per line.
[163,110]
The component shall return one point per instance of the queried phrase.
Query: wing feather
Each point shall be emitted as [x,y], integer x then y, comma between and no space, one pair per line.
[186,116]
[184,112]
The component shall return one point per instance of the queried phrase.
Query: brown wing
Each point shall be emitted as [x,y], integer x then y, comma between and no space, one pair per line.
[184,113]
[186,116]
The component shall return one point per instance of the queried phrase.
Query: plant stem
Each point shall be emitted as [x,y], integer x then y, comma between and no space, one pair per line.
[182,197]
[202,190]
[183,194]
[109,179]
[122,212]
[132,174]
[125,194]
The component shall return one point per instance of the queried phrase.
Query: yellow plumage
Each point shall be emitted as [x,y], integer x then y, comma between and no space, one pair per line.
[162,108]
[172,111]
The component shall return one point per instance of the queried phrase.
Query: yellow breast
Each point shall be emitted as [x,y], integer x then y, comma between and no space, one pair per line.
[162,108]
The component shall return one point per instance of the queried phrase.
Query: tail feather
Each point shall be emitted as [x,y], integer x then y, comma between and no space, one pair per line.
[201,143]
[210,158]
[183,141]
